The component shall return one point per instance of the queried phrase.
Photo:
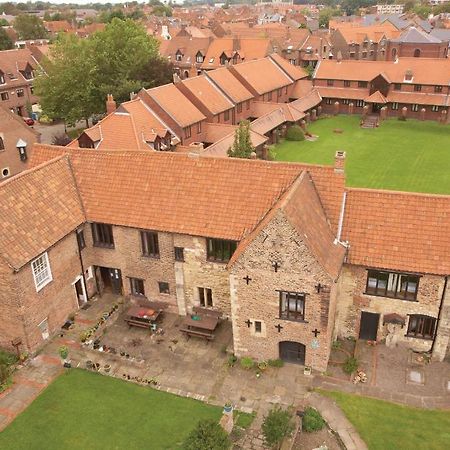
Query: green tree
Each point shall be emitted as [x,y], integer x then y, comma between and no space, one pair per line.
[276,426]
[242,145]
[162,10]
[208,435]
[3,22]
[29,27]
[423,11]
[326,14]
[5,41]
[81,72]
[409,5]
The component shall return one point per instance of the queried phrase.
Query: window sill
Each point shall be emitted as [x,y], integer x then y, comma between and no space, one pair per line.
[151,256]
[104,246]
[217,261]
[293,320]
[392,298]
[419,337]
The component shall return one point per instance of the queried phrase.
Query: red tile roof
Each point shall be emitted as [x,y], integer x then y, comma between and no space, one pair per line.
[296,73]
[229,84]
[398,230]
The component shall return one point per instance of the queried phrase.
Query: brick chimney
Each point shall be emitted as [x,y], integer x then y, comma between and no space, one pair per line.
[339,161]
[110,104]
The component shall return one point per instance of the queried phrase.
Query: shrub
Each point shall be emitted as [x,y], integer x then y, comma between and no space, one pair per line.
[336,345]
[402,118]
[350,365]
[208,435]
[247,363]
[295,133]
[61,139]
[63,352]
[276,426]
[312,420]
[275,363]
[232,359]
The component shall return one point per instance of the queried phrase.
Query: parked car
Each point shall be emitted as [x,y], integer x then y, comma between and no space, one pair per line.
[29,121]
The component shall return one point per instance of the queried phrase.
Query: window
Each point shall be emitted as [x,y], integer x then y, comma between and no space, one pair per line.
[80,239]
[394,106]
[239,107]
[150,244]
[330,82]
[269,96]
[2,144]
[360,103]
[178,56]
[226,115]
[199,58]
[417,87]
[163,287]
[22,153]
[362,84]
[435,108]
[248,104]
[421,326]
[397,87]
[187,132]
[285,89]
[392,284]
[346,101]
[137,286]
[4,96]
[32,90]
[102,235]
[28,74]
[329,101]
[20,93]
[416,53]
[5,172]
[258,326]
[438,89]
[199,127]
[292,305]
[219,249]
[205,297]
[279,92]
[2,78]
[415,107]
[41,271]
[179,253]
[346,83]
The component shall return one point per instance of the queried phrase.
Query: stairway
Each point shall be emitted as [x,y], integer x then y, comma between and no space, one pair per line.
[370,122]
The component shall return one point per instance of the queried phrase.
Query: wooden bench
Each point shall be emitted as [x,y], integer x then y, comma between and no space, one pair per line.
[206,312]
[138,323]
[197,333]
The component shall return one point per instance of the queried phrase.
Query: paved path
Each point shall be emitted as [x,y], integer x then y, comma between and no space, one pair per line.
[337,421]
[29,381]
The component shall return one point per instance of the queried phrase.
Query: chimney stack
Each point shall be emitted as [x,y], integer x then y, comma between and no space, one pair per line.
[110,104]
[339,162]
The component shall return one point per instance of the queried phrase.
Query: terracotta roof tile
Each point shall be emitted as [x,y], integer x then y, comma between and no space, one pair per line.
[398,230]
[296,73]
[38,208]
[229,84]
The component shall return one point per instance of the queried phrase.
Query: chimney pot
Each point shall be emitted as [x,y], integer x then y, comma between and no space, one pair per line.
[111,105]
[339,161]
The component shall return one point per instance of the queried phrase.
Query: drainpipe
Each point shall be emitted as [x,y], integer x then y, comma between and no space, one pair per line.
[81,264]
[440,313]
[341,217]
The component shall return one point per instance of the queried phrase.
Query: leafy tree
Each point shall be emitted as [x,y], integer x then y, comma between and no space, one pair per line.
[162,10]
[208,435]
[409,5]
[276,426]
[423,11]
[81,72]
[3,22]
[5,41]
[242,146]
[326,14]
[29,27]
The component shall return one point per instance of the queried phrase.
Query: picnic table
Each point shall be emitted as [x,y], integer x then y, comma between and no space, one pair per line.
[200,325]
[139,316]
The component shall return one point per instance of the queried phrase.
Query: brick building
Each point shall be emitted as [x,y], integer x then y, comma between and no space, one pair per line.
[16,80]
[16,141]
[286,252]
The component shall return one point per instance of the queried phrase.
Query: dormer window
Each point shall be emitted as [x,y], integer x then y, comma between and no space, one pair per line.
[178,55]
[199,57]
[28,74]
[408,76]
[223,59]
[22,148]
[2,78]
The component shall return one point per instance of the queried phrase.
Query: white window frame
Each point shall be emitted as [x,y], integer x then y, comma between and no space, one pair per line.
[40,284]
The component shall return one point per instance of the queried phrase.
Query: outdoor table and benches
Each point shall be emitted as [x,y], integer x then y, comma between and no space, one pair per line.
[138,316]
[201,323]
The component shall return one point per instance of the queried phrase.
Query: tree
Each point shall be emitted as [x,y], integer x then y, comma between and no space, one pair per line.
[276,426]
[29,27]
[325,15]
[3,22]
[81,72]
[208,435]
[242,146]
[5,41]
[162,10]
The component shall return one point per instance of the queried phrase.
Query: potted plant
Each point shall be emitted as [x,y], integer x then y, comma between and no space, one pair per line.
[64,354]
[228,408]
[307,370]
[107,368]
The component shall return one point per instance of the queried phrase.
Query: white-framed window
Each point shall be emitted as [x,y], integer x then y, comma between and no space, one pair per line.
[42,273]
[43,327]
[435,108]
[415,107]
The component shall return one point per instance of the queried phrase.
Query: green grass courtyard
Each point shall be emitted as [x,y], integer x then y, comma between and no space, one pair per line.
[407,156]
[85,410]
[387,426]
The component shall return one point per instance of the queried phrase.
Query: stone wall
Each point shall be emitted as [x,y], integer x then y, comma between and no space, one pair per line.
[352,301]
[259,299]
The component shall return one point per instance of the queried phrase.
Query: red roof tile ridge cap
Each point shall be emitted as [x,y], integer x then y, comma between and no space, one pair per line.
[27,172]
[393,192]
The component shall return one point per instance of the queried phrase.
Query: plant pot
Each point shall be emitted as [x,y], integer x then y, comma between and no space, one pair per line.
[107,368]
[307,371]
[89,364]
[67,364]
[228,409]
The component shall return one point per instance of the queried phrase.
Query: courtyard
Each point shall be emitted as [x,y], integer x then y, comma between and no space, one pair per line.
[409,156]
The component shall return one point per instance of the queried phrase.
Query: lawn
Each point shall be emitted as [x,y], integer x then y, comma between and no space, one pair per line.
[406,156]
[387,426]
[85,410]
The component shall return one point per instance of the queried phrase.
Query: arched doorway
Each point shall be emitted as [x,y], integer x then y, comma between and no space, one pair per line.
[416,53]
[292,352]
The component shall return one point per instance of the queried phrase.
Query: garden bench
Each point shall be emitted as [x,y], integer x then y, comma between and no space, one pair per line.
[197,333]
